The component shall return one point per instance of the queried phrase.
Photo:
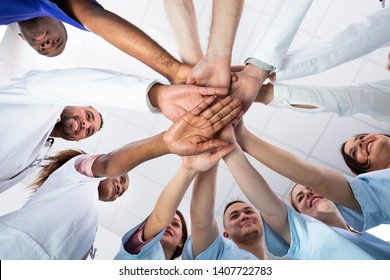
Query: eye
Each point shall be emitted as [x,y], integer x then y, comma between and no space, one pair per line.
[233,217]
[176,225]
[299,198]
[249,211]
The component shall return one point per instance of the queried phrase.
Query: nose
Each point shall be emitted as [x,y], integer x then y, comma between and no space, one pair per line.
[46,43]
[309,193]
[244,217]
[85,124]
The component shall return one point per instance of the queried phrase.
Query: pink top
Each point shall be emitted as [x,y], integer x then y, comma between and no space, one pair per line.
[83,164]
[135,243]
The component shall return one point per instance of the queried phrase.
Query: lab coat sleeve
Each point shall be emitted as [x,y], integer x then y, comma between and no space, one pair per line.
[90,87]
[368,98]
[358,39]
[271,47]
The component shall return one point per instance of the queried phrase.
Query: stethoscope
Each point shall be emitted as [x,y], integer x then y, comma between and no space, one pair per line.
[43,155]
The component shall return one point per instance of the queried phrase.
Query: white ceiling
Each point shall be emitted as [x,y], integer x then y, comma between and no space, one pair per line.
[314,137]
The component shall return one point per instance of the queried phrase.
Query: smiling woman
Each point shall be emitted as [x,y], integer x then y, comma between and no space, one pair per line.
[66,194]
[367,152]
[321,233]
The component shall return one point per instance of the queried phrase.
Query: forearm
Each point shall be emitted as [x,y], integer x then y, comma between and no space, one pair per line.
[168,201]
[253,185]
[204,193]
[129,156]
[182,17]
[281,161]
[226,17]
[204,229]
[130,39]
[324,181]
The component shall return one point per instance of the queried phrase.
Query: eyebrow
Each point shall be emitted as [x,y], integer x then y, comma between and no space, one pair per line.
[244,209]
[353,149]
[124,182]
[60,44]
[93,119]
[177,220]
[299,193]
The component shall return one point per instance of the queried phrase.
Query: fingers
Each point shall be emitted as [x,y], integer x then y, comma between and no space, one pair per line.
[237,68]
[219,92]
[203,105]
[272,77]
[220,108]
[227,119]
[234,77]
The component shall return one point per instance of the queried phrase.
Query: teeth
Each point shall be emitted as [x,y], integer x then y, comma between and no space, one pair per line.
[76,125]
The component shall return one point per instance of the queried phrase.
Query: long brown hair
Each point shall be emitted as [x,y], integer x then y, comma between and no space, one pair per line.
[184,236]
[54,163]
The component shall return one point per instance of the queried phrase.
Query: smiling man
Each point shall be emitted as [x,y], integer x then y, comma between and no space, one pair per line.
[77,123]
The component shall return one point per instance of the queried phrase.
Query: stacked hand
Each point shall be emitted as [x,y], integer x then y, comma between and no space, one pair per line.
[211,71]
[193,133]
[176,100]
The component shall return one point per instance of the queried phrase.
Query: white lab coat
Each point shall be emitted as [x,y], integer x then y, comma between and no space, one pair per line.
[31,105]
[372,99]
[59,221]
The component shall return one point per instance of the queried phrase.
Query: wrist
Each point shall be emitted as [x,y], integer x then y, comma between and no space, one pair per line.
[154,95]
[236,151]
[163,143]
[256,71]
[191,172]
[265,94]
[242,138]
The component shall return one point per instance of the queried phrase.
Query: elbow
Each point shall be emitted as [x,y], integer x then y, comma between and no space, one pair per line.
[104,167]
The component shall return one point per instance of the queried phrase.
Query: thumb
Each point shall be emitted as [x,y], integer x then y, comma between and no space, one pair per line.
[210,145]
[220,153]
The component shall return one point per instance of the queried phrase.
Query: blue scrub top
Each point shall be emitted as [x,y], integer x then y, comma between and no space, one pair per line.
[19,10]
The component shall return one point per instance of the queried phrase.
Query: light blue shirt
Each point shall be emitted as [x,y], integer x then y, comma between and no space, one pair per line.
[153,250]
[221,249]
[311,239]
[372,191]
